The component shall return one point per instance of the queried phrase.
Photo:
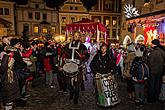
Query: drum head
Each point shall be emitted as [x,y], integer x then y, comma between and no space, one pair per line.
[70,67]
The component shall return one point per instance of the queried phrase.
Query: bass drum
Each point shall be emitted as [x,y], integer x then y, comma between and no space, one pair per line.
[70,69]
[106,90]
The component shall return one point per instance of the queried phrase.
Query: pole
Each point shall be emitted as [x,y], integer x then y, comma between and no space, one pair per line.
[98,34]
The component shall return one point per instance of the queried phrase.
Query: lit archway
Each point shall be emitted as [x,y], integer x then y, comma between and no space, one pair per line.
[127,40]
[139,38]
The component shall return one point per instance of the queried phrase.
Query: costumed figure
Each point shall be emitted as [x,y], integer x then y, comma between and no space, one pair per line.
[93,52]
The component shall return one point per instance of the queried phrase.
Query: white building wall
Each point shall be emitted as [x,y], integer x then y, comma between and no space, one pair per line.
[23,18]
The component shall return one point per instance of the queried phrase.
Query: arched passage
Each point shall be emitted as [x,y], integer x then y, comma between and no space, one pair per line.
[127,40]
[139,39]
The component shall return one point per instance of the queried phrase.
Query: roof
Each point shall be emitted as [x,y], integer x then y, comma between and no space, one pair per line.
[86,24]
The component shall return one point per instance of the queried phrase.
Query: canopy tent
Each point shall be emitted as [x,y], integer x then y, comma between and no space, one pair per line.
[86,25]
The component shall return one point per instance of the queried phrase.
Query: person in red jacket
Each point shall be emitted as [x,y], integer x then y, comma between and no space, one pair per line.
[48,63]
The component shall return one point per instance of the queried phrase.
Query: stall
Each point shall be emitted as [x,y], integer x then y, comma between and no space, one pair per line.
[87,26]
[147,27]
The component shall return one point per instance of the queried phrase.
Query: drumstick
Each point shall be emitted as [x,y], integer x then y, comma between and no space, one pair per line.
[78,53]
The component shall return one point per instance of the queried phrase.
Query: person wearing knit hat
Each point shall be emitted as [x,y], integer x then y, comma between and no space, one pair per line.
[156,65]
[15,41]
[131,47]
[155,42]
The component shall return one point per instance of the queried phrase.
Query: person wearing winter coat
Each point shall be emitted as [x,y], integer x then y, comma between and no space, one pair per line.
[20,67]
[155,63]
[119,62]
[48,64]
[139,74]
[10,88]
[102,63]
[127,64]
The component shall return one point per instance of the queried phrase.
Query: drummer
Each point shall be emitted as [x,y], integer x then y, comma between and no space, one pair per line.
[102,62]
[76,52]
[102,65]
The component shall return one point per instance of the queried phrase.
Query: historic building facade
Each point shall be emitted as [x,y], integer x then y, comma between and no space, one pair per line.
[36,19]
[146,26]
[106,12]
[7,24]
[71,11]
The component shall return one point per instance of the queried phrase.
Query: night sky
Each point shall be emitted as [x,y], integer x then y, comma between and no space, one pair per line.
[56,3]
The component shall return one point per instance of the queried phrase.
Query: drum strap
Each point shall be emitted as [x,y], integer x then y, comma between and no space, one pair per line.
[73,49]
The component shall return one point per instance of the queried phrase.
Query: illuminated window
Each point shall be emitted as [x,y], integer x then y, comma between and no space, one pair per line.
[53,29]
[107,22]
[63,19]
[44,30]
[114,21]
[36,29]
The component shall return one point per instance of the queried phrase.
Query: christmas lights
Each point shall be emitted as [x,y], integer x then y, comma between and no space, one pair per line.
[130,11]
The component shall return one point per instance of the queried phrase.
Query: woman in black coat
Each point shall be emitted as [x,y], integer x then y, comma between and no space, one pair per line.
[102,62]
[10,88]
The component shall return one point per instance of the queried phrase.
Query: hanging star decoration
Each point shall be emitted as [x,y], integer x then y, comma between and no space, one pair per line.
[130,11]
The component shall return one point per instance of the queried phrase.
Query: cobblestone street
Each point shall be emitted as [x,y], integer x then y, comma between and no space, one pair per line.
[43,98]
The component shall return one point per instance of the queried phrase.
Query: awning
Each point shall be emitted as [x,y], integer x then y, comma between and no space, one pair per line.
[86,25]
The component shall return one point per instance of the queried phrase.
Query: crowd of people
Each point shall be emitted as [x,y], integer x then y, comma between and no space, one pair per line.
[141,67]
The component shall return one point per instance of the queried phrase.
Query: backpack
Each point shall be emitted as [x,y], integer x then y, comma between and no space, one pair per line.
[139,70]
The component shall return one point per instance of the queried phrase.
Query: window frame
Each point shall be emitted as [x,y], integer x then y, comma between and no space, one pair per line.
[108,5]
[30,13]
[2,11]
[114,19]
[36,26]
[36,5]
[44,30]
[63,19]
[44,17]
[114,37]
[7,10]
[37,13]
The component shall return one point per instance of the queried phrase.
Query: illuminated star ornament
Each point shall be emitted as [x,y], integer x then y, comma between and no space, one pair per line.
[130,11]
